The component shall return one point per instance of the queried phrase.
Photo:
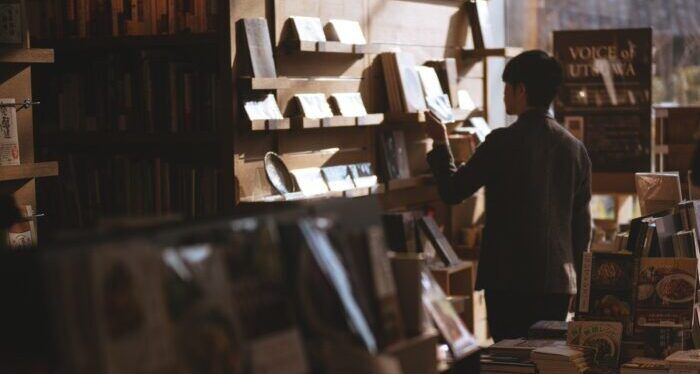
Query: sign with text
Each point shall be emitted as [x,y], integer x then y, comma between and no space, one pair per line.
[606,95]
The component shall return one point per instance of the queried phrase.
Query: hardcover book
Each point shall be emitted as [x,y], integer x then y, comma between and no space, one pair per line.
[438,240]
[255,39]
[9,142]
[665,292]
[393,147]
[310,181]
[265,109]
[607,287]
[338,178]
[604,337]
[362,175]
[401,231]
[349,104]
[308,29]
[441,311]
[314,105]
[411,87]
[347,32]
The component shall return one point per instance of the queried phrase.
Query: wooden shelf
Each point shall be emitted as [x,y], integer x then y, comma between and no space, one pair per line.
[26,56]
[130,42]
[402,184]
[270,124]
[353,193]
[99,138]
[507,52]
[28,171]
[460,115]
[266,84]
[331,47]
[337,121]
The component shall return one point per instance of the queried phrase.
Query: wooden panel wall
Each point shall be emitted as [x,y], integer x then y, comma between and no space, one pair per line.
[429,29]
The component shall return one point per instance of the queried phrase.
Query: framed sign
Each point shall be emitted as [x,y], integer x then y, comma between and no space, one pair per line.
[605,99]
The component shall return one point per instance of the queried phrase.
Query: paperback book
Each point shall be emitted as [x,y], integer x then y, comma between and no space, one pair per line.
[665,292]
[362,175]
[604,337]
[349,104]
[308,29]
[310,181]
[9,141]
[314,105]
[338,178]
[346,31]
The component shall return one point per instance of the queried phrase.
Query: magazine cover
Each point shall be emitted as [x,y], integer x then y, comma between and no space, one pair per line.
[605,337]
[665,292]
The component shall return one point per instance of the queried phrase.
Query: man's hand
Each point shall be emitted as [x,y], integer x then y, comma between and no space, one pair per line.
[435,129]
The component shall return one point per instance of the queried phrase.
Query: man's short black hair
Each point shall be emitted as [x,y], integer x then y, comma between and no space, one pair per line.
[540,73]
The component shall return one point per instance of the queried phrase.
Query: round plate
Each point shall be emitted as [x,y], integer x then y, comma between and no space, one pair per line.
[277,174]
[663,288]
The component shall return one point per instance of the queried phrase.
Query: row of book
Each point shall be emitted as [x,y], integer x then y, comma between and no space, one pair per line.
[58,19]
[151,92]
[264,291]
[90,189]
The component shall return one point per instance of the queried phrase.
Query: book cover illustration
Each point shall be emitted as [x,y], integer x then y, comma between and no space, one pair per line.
[604,337]
[9,141]
[665,292]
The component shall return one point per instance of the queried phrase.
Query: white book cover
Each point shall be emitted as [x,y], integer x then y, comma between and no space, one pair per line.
[348,32]
[440,106]
[411,87]
[362,175]
[350,104]
[309,29]
[310,181]
[482,128]
[338,178]
[314,105]
[465,100]
[430,81]
[9,141]
[265,109]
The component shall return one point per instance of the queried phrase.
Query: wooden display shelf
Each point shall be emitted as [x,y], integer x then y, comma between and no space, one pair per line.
[402,184]
[507,52]
[99,138]
[130,42]
[455,280]
[350,194]
[263,84]
[26,56]
[28,171]
[331,47]
[613,183]
[460,115]
[337,121]
[466,252]
[270,124]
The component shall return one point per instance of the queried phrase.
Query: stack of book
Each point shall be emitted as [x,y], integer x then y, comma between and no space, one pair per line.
[563,359]
[548,330]
[643,365]
[513,355]
[684,361]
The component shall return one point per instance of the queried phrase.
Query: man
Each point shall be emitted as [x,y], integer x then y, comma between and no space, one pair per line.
[537,179]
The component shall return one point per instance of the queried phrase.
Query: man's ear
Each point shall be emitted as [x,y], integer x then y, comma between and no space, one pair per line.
[520,89]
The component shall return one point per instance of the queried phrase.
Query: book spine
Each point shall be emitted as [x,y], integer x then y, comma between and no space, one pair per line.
[586,269]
